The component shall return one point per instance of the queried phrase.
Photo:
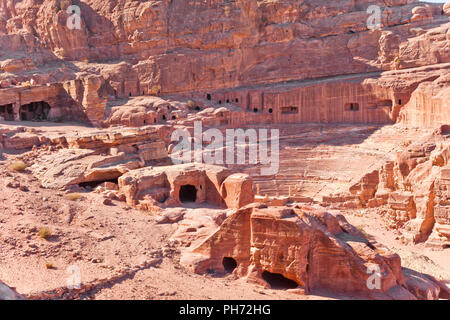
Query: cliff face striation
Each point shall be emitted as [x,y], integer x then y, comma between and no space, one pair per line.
[236,52]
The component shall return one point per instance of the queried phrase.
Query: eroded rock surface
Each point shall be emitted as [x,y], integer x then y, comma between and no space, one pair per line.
[313,248]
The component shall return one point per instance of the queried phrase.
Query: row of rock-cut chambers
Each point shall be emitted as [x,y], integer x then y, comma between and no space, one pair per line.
[33,111]
[350,106]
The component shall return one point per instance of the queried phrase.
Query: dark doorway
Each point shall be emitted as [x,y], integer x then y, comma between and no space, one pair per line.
[188,193]
[34,111]
[289,110]
[208,96]
[94,184]
[278,281]
[352,106]
[6,112]
[229,264]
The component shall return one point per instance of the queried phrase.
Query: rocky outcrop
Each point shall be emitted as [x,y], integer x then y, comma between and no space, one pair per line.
[185,183]
[237,190]
[94,158]
[413,189]
[313,248]
[440,236]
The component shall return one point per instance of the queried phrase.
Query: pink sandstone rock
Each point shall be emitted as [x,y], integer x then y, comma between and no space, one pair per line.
[313,248]
[184,183]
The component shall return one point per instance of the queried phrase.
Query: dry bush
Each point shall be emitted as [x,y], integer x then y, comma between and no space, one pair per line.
[18,166]
[45,233]
[74,196]
[190,104]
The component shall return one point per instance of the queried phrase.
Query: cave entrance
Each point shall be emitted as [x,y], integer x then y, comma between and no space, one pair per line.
[95,184]
[229,264]
[278,282]
[7,112]
[188,193]
[34,111]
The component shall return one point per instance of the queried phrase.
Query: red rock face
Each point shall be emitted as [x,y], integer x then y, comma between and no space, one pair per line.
[313,248]
[346,97]
[224,50]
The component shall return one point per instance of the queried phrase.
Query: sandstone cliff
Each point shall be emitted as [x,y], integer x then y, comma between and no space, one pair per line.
[159,47]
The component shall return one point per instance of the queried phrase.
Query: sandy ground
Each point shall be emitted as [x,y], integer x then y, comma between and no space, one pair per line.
[122,253]
[126,245]
[104,242]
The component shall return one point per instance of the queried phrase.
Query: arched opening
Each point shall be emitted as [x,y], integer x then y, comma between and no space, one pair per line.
[197,108]
[229,264]
[188,193]
[400,101]
[278,281]
[208,96]
[174,117]
[164,117]
[220,101]
[7,112]
[228,100]
[351,106]
[270,110]
[237,100]
[34,111]
[255,110]
[154,120]
[129,94]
